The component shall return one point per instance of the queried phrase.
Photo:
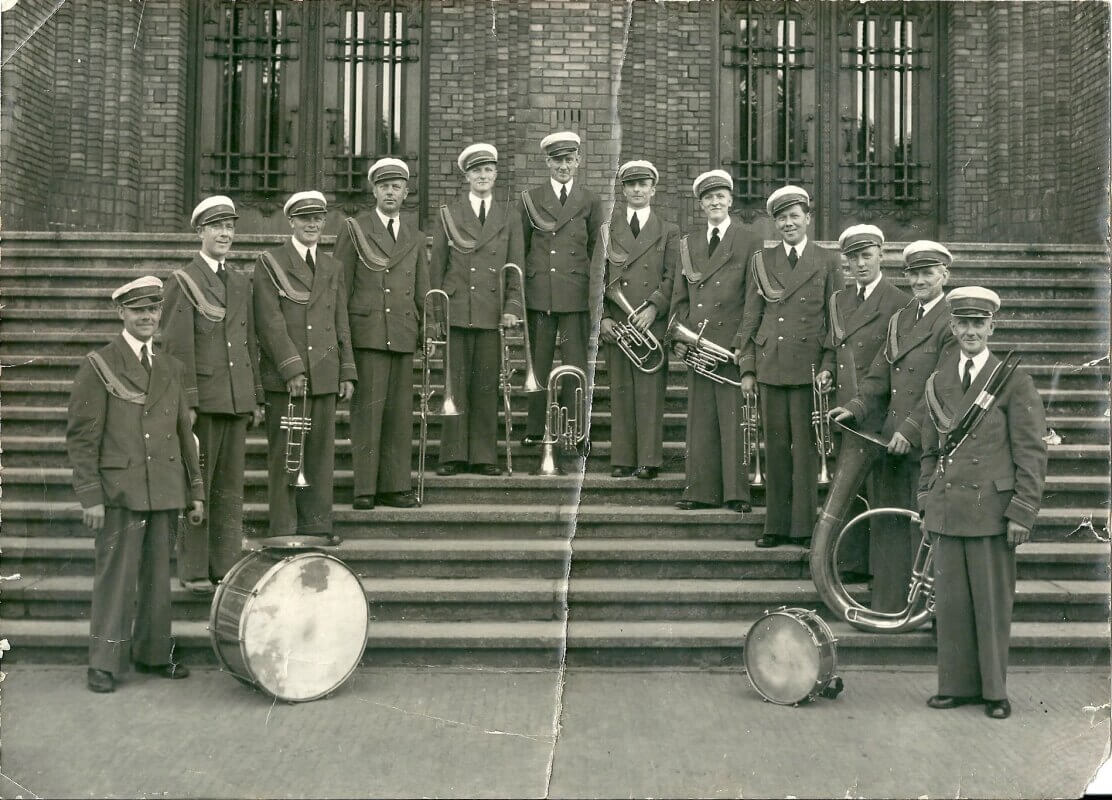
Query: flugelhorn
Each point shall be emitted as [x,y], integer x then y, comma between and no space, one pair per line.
[820,421]
[640,346]
[563,426]
[447,408]
[296,428]
[751,437]
[506,371]
[703,356]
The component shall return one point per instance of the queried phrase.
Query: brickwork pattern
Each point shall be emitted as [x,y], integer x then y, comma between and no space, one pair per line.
[1089,122]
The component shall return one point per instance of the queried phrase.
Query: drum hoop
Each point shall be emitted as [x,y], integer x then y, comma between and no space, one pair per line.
[803,617]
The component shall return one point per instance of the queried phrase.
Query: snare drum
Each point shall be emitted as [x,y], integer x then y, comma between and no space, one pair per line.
[292,624]
[790,656]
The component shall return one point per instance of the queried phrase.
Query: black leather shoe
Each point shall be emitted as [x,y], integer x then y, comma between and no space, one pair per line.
[998,709]
[692,505]
[945,701]
[201,587]
[740,506]
[489,470]
[174,672]
[100,681]
[450,468]
[646,473]
[804,543]
[363,502]
[621,472]
[768,540]
[397,499]
[531,441]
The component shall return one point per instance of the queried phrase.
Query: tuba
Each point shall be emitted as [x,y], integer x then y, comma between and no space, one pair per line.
[563,426]
[296,428]
[448,407]
[751,437]
[703,356]
[858,453]
[506,370]
[820,421]
[640,347]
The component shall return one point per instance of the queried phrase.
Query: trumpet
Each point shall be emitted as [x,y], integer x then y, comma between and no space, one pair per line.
[702,356]
[296,428]
[640,347]
[820,421]
[506,371]
[448,407]
[563,426]
[751,437]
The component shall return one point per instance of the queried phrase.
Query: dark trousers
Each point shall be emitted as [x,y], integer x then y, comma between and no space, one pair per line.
[382,422]
[130,617]
[573,329]
[207,551]
[791,461]
[472,436]
[893,541]
[636,412]
[715,473]
[974,590]
[301,511]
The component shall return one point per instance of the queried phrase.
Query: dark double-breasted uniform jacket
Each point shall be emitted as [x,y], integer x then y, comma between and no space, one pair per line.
[714,289]
[558,262]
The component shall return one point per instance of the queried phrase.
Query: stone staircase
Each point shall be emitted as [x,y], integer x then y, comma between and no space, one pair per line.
[478,574]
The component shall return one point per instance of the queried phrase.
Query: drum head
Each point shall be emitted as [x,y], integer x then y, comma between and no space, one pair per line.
[783,659]
[304,631]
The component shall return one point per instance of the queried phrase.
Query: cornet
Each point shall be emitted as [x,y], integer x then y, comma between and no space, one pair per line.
[820,421]
[751,437]
[702,356]
[448,406]
[506,372]
[640,347]
[563,426]
[296,428]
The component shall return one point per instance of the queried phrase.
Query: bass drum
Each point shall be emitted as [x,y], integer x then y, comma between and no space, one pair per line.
[790,657]
[291,624]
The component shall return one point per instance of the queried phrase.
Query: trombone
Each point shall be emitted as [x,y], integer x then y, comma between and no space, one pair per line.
[296,428]
[563,426]
[703,356]
[506,370]
[820,421]
[448,407]
[751,437]
[640,347]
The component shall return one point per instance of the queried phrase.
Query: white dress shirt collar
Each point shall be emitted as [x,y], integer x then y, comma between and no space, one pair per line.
[212,262]
[642,215]
[476,200]
[871,287]
[928,306]
[979,362]
[556,185]
[383,219]
[302,250]
[798,247]
[137,344]
[722,226]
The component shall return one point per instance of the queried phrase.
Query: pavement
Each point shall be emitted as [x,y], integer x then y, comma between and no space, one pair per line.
[488,732]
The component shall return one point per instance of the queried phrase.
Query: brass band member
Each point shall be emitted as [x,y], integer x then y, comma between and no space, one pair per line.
[917,336]
[560,221]
[641,255]
[979,499]
[386,274]
[859,317]
[711,287]
[135,466]
[477,235]
[304,346]
[209,326]
[781,338]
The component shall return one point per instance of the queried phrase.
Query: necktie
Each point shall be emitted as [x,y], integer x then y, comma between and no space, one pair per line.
[390,228]
[860,294]
[793,257]
[967,375]
[221,273]
[919,313]
[482,212]
[309,260]
[144,359]
[563,194]
[713,244]
[635,225]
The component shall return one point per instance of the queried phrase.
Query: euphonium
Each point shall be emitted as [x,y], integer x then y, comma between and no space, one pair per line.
[702,355]
[751,437]
[820,421]
[296,428]
[506,371]
[563,426]
[431,342]
[640,347]
[858,453]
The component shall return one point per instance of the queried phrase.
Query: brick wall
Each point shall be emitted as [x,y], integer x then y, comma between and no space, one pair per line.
[1089,122]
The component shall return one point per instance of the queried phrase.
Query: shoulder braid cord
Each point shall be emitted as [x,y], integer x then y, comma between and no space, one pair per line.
[891,347]
[836,319]
[281,281]
[531,210]
[614,254]
[372,257]
[456,240]
[685,263]
[113,384]
[211,311]
[764,282]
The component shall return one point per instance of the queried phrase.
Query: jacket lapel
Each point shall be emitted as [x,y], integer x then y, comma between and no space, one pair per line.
[296,267]
[643,241]
[199,270]
[159,379]
[467,221]
[407,240]
[128,367]
[568,210]
[722,253]
[791,278]
[495,221]
[978,383]
[866,312]
[912,334]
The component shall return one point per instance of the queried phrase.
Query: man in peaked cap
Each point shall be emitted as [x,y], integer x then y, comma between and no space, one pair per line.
[305,349]
[209,326]
[560,220]
[386,275]
[979,493]
[135,467]
[708,297]
[859,316]
[917,337]
[477,235]
[781,339]
[641,252]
